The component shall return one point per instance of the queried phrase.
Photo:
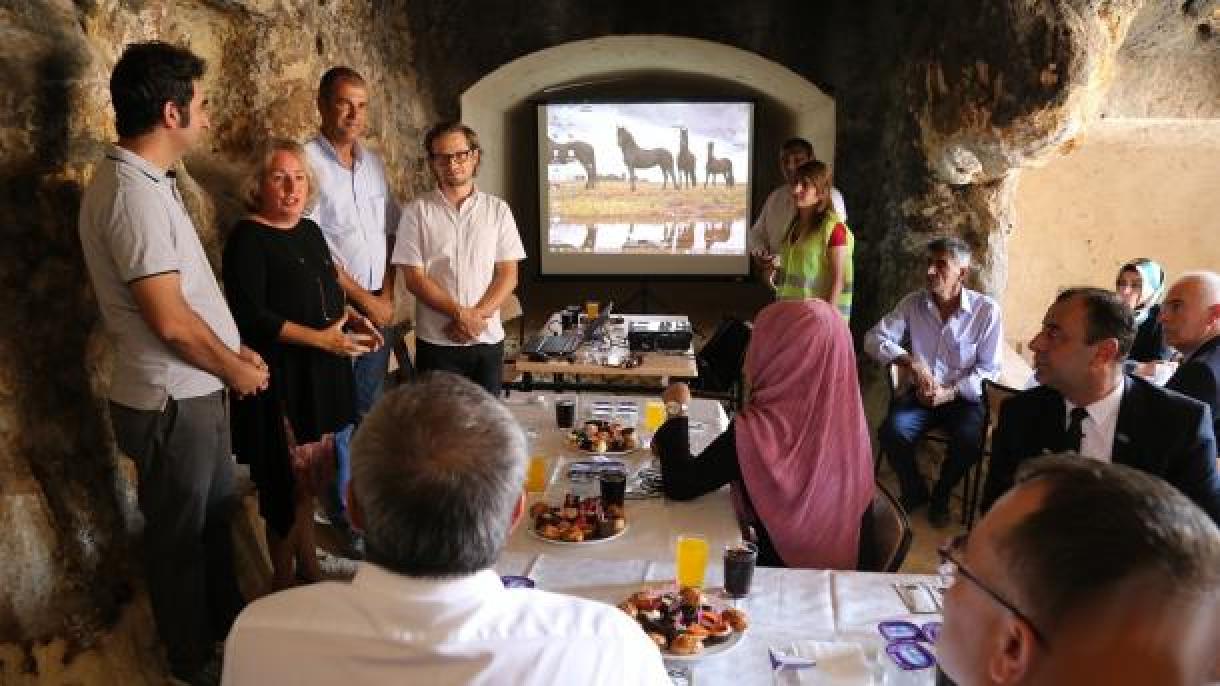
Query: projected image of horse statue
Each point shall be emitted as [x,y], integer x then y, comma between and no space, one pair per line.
[637,158]
[575,151]
[686,161]
[722,166]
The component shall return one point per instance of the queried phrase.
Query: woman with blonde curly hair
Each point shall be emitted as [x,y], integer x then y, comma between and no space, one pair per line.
[284,292]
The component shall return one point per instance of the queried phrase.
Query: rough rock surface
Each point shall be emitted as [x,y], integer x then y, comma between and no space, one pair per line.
[939,104]
[67,571]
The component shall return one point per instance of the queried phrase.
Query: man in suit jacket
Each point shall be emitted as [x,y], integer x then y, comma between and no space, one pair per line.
[1191,320]
[1087,405]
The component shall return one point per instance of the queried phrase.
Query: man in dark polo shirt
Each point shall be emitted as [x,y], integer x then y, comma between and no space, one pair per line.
[177,349]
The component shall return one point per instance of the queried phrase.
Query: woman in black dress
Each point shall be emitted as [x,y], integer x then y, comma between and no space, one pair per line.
[284,292]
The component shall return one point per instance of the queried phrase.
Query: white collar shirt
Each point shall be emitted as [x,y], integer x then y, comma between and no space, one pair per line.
[355,209]
[1099,427]
[767,233]
[457,248]
[385,628]
[960,351]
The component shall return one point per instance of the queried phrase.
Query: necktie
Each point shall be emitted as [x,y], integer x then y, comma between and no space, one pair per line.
[1075,430]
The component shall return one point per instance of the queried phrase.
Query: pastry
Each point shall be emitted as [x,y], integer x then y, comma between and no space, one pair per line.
[736,619]
[685,644]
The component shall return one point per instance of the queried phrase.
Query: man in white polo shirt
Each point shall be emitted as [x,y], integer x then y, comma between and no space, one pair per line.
[177,349]
[357,215]
[458,249]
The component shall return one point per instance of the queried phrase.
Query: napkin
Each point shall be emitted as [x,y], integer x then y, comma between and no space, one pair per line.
[839,663]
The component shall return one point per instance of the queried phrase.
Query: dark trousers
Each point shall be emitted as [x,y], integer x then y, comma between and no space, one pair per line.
[908,421]
[187,493]
[482,363]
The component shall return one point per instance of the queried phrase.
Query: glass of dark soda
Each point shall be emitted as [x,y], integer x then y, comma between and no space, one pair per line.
[739,561]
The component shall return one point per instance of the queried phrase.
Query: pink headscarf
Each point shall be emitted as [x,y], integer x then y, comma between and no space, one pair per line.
[802,439]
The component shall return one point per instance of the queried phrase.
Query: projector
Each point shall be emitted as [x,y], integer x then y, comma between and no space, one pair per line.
[645,337]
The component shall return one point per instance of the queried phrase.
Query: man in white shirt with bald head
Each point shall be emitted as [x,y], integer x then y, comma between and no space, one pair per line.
[458,249]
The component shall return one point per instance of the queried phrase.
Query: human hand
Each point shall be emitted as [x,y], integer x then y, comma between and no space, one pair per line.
[941,395]
[380,309]
[252,357]
[470,322]
[363,329]
[677,392]
[456,334]
[246,377]
[333,340]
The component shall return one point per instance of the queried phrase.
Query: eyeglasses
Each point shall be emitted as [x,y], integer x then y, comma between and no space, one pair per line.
[461,156]
[951,567]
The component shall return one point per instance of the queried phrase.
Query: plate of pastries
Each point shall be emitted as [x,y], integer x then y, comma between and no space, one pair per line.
[578,521]
[685,625]
[604,437]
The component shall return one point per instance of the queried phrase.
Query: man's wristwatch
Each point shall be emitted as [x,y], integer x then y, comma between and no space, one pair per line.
[673,408]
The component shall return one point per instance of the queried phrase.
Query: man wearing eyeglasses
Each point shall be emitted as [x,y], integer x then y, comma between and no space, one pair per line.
[1084,573]
[458,249]
[1087,405]
[357,215]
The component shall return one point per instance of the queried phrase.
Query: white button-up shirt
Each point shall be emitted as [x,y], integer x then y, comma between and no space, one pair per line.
[384,628]
[355,210]
[767,233]
[1099,427]
[458,249]
[960,351]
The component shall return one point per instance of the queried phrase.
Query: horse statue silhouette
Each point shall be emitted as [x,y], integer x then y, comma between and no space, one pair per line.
[686,161]
[637,158]
[575,151]
[722,166]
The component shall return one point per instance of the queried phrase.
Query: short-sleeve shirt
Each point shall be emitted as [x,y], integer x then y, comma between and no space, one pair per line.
[133,225]
[458,249]
[355,210]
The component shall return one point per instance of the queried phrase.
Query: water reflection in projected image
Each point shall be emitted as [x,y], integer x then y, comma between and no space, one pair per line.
[668,238]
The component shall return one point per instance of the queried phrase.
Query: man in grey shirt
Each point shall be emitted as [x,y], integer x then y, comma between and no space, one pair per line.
[177,348]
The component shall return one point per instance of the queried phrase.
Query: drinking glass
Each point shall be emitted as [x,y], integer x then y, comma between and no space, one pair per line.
[690,558]
[739,561]
[654,415]
[535,474]
[592,307]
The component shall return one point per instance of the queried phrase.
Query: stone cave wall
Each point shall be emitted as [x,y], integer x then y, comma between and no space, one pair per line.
[939,104]
[67,572]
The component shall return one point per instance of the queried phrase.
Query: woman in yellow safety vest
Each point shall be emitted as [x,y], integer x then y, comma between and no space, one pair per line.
[816,257]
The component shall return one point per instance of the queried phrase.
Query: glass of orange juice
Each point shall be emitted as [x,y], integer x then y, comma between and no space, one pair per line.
[654,415]
[690,558]
[535,474]
[592,308]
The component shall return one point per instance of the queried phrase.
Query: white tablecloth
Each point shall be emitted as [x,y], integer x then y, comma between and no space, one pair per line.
[784,606]
[653,523]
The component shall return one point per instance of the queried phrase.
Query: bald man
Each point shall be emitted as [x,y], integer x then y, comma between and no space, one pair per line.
[1190,316]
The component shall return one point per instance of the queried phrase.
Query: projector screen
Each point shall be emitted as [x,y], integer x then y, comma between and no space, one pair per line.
[644,188]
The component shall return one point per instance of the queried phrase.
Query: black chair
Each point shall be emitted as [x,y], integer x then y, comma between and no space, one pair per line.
[885,534]
[720,361]
[994,395]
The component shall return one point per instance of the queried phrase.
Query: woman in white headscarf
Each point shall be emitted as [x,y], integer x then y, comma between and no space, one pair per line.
[1141,285]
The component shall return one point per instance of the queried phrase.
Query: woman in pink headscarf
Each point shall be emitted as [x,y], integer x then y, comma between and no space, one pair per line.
[798,455]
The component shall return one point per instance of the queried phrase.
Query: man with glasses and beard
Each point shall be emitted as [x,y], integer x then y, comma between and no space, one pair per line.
[1084,573]
[458,249]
